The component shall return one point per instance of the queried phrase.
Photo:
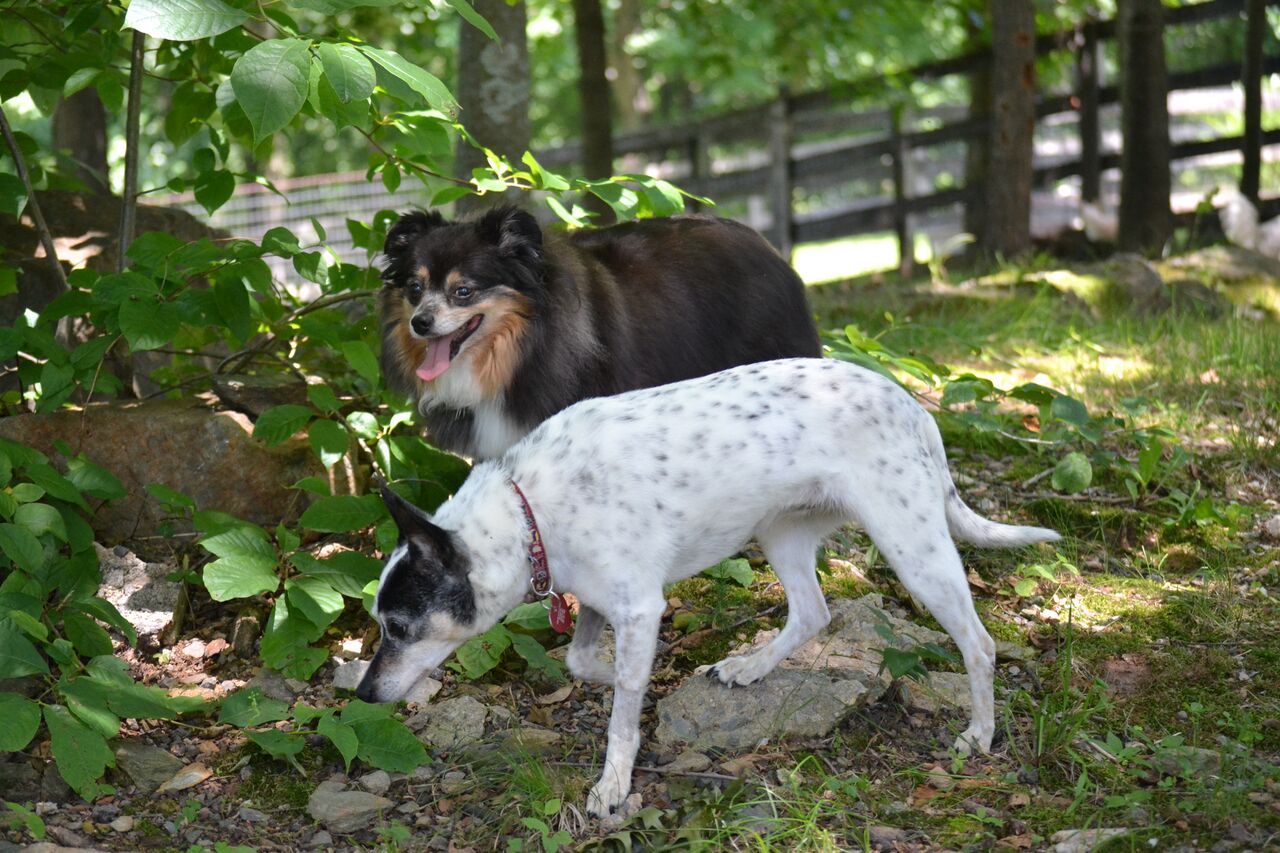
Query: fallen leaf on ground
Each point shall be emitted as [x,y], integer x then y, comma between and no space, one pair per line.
[187,777]
[556,697]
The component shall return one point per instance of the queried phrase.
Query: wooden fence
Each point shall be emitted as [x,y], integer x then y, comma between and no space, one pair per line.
[882,135]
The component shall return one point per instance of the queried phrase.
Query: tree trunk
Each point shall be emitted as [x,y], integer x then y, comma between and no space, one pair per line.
[80,128]
[628,88]
[1145,219]
[493,89]
[593,95]
[1255,36]
[975,153]
[1007,230]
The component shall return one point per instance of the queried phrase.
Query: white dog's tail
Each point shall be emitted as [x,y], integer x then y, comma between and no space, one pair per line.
[967,525]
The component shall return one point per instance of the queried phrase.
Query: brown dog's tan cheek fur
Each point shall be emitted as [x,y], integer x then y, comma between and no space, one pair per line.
[497,355]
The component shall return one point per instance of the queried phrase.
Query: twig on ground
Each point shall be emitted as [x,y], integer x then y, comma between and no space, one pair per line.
[687,638]
[661,771]
[1031,481]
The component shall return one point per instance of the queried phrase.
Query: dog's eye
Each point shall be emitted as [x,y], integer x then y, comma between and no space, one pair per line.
[395,630]
[414,291]
[463,292]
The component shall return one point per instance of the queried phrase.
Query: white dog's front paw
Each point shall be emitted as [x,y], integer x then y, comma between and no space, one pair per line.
[973,737]
[592,670]
[605,796]
[740,670]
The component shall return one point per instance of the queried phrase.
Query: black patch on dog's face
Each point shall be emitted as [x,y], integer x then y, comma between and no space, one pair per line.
[431,576]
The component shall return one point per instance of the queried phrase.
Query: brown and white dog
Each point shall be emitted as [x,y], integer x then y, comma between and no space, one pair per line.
[493,326]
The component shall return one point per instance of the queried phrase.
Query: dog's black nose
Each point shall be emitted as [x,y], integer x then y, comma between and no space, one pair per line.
[421,324]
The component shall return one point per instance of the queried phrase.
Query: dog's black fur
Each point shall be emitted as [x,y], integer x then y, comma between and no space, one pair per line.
[585,314]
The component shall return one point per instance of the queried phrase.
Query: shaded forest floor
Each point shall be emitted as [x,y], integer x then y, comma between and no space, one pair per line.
[1147,700]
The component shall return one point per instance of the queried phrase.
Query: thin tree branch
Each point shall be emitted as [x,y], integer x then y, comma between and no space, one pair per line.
[129,213]
[42,227]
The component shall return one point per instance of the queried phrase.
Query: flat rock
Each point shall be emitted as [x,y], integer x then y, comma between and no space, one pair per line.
[140,590]
[940,691]
[273,685]
[343,811]
[423,691]
[148,766]
[450,724]
[1083,840]
[347,675]
[689,761]
[809,694]
[1186,761]
[20,781]
[208,455]
[376,782]
[1006,650]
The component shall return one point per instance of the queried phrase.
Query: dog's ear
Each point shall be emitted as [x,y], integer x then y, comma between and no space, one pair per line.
[414,524]
[408,228]
[514,231]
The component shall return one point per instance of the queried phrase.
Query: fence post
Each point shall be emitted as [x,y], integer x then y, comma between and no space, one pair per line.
[901,223]
[1087,84]
[780,137]
[1251,77]
[698,148]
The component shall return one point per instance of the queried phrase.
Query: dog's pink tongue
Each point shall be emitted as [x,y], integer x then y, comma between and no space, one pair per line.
[436,360]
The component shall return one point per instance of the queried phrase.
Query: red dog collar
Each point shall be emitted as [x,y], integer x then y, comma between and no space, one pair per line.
[540,577]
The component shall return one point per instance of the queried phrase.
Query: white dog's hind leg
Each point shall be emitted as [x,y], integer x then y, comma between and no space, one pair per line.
[789,544]
[636,640]
[925,560]
[584,651]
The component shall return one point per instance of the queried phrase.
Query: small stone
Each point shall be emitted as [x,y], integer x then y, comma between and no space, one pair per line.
[251,815]
[689,761]
[148,766]
[351,648]
[194,649]
[941,691]
[46,808]
[422,692]
[272,684]
[124,823]
[321,839]
[1083,840]
[1186,761]
[376,782]
[344,811]
[296,685]
[886,836]
[1271,527]
[348,674]
[450,724]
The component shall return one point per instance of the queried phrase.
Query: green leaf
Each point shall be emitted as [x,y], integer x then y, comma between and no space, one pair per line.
[329,441]
[342,513]
[39,518]
[427,85]
[30,625]
[21,719]
[358,711]
[105,611]
[94,480]
[240,577]
[172,499]
[1069,409]
[332,7]
[21,546]
[737,569]
[342,736]
[249,707]
[234,306]
[81,753]
[364,424]
[54,484]
[279,744]
[147,324]
[901,663]
[346,571]
[540,663]
[88,637]
[473,17]
[480,654]
[360,356]
[323,398]
[243,540]
[271,81]
[314,599]
[388,745]
[13,195]
[182,20]
[214,188]
[532,616]
[1073,473]
[280,422]
[348,71]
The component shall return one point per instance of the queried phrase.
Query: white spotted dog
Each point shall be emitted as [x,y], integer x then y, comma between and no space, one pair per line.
[630,493]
